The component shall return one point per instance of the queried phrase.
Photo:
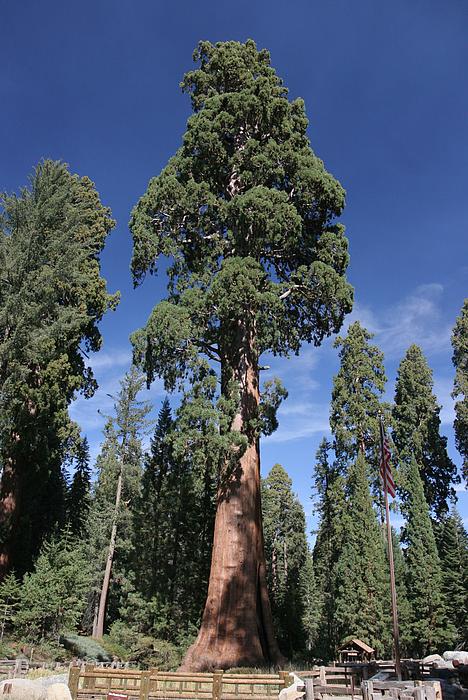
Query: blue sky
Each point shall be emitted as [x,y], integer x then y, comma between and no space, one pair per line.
[95,83]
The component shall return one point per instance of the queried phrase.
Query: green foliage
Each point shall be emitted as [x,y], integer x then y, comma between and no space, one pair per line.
[356,395]
[121,454]
[51,299]
[79,496]
[430,629]
[330,508]
[128,644]
[10,589]
[174,519]
[289,568]
[460,386]
[417,430]
[53,596]
[452,541]
[244,211]
[362,590]
[84,648]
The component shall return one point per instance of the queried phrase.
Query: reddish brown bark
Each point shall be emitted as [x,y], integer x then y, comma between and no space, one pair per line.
[237,627]
[9,505]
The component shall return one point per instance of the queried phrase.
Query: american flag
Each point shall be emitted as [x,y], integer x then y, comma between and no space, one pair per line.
[386,467]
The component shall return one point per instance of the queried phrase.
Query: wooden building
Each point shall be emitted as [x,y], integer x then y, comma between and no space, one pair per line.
[356,650]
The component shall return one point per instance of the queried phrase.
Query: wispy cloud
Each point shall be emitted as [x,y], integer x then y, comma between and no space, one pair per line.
[415,319]
[298,421]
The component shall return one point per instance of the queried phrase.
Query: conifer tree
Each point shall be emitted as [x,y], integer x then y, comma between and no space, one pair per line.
[362,590]
[246,214]
[356,400]
[403,606]
[9,602]
[417,430]
[51,299]
[53,596]
[118,486]
[453,552]
[78,497]
[174,521]
[330,508]
[287,556]
[460,386]
[429,627]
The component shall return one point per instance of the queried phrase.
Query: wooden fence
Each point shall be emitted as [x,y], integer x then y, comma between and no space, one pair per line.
[94,682]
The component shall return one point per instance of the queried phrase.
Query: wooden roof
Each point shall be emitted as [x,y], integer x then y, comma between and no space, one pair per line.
[359,643]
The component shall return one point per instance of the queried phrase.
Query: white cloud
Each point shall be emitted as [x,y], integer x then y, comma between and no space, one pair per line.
[110,359]
[415,319]
[301,421]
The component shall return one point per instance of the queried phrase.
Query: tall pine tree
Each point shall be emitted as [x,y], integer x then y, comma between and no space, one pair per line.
[460,387]
[246,214]
[429,628]
[79,493]
[288,563]
[330,508]
[362,589]
[52,297]
[417,430]
[452,541]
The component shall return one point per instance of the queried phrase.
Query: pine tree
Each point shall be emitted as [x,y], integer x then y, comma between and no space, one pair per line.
[118,487]
[417,430]
[453,552]
[53,596]
[9,602]
[331,506]
[78,497]
[246,214]
[403,606]
[362,590]
[429,627]
[51,299]
[356,395]
[287,554]
[174,521]
[460,386]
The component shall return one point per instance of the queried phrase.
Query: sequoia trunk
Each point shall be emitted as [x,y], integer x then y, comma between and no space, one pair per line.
[237,627]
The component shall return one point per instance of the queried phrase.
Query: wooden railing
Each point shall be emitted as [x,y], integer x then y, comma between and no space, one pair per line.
[95,682]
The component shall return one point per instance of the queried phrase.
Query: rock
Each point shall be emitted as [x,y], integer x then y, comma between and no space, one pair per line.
[432,658]
[460,656]
[58,691]
[22,689]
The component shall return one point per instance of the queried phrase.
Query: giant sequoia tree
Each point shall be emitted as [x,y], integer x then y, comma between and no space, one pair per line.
[245,213]
[51,298]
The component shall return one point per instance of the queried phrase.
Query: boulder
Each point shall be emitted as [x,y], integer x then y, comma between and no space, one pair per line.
[58,691]
[432,658]
[22,689]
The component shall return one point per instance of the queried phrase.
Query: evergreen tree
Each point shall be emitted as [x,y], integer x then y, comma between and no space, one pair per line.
[429,627]
[287,554]
[453,553]
[118,486]
[51,299]
[460,386]
[362,590]
[355,405]
[246,213]
[174,520]
[53,596]
[403,606]
[9,601]
[330,508]
[417,430]
[78,497]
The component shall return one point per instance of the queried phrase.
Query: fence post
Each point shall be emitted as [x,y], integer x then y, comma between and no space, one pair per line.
[309,688]
[73,680]
[217,684]
[323,677]
[286,678]
[88,683]
[145,677]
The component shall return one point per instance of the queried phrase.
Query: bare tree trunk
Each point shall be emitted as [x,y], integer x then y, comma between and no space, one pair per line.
[98,627]
[237,626]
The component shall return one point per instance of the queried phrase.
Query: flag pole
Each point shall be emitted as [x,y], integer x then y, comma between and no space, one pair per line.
[396,633]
